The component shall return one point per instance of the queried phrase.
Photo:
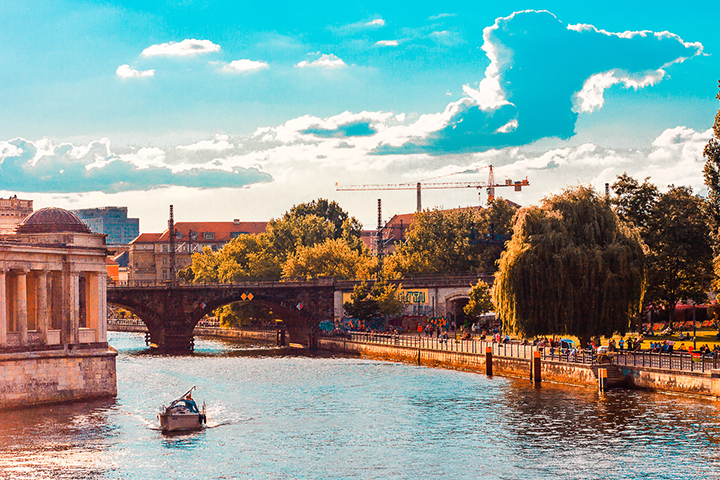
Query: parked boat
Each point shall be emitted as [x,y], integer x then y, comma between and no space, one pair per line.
[182,415]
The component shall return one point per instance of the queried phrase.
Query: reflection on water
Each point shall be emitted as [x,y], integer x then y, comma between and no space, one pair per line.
[271,415]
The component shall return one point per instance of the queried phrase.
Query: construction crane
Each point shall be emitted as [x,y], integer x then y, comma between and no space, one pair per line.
[490,185]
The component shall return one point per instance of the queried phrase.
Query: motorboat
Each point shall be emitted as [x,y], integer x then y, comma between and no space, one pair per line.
[182,415]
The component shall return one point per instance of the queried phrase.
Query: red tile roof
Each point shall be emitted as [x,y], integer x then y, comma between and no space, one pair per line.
[222,231]
[147,238]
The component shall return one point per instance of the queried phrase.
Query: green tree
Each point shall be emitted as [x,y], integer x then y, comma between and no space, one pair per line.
[572,267]
[343,225]
[711,172]
[334,257]
[634,201]
[463,240]
[679,249]
[479,300]
[372,300]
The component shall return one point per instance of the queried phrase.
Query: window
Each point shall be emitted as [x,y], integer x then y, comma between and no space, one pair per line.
[178,235]
[208,236]
[236,234]
[164,248]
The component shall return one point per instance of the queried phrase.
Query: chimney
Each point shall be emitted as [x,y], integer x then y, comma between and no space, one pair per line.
[236,221]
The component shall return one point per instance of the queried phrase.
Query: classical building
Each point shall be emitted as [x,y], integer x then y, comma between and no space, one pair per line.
[53,320]
[12,211]
[112,221]
[149,257]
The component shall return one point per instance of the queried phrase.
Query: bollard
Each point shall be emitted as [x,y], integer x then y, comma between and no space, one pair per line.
[488,361]
[535,369]
[602,379]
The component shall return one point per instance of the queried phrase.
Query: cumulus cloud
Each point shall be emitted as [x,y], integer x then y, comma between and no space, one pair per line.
[541,75]
[125,71]
[244,65]
[325,61]
[378,22]
[189,46]
[387,43]
[44,166]
[217,144]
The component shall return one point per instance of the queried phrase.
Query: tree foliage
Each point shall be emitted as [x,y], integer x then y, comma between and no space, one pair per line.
[479,300]
[463,240]
[634,201]
[711,172]
[372,300]
[334,257]
[572,267]
[679,249]
[312,239]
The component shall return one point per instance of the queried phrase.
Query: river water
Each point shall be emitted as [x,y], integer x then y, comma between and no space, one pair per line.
[294,417]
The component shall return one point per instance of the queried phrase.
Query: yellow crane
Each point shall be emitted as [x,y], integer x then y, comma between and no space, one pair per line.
[490,185]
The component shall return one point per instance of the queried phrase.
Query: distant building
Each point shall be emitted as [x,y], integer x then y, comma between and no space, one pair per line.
[111,221]
[12,212]
[149,254]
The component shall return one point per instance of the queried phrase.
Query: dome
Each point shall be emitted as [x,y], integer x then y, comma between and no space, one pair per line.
[52,220]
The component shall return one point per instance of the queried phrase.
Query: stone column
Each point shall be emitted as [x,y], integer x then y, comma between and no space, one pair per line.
[102,307]
[3,309]
[21,310]
[70,332]
[74,299]
[43,312]
[92,303]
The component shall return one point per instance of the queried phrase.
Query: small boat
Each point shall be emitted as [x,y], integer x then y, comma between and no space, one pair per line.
[182,415]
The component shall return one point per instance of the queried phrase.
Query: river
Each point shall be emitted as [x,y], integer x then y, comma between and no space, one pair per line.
[296,417]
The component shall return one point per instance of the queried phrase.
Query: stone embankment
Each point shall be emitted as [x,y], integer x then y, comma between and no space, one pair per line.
[201,330]
[632,371]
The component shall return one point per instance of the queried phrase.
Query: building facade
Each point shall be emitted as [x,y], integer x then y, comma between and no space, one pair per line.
[53,320]
[12,211]
[149,257]
[111,221]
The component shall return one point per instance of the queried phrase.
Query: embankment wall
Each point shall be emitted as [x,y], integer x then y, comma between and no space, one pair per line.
[36,378]
[695,383]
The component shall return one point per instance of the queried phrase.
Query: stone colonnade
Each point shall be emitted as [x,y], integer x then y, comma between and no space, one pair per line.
[41,306]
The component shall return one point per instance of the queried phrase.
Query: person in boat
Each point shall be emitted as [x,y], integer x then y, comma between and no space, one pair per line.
[190,403]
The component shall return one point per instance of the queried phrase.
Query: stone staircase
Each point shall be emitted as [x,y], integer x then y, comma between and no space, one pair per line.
[615,377]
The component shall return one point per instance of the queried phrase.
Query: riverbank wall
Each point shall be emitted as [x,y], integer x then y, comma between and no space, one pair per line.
[45,377]
[640,377]
[269,336]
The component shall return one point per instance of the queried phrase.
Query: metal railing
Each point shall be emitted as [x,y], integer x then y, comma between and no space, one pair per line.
[675,361]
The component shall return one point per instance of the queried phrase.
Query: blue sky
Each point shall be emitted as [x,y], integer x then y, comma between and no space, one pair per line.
[240,110]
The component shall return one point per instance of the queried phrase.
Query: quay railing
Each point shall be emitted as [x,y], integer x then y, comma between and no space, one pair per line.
[678,361]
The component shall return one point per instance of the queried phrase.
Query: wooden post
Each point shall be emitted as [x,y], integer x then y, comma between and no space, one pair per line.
[602,379]
[535,368]
[488,361]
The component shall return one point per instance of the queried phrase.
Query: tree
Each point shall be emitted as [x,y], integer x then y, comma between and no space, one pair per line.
[463,240]
[334,257]
[479,300]
[572,267]
[344,226]
[370,301]
[711,173]
[680,250]
[634,201]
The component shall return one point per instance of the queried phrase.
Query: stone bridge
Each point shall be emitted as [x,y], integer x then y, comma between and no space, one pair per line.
[171,310]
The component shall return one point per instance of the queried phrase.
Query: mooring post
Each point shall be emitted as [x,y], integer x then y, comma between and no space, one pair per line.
[535,368]
[602,379]
[488,361]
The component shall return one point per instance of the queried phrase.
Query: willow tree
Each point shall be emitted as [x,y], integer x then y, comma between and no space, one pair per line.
[571,268]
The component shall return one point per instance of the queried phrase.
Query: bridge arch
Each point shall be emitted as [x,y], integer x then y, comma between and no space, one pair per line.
[171,311]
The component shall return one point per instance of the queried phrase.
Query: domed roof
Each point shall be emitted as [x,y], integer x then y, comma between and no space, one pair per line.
[52,220]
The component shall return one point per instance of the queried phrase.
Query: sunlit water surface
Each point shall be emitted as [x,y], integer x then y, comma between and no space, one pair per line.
[279,417]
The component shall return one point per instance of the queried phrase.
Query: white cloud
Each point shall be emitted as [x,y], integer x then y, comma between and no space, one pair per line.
[325,61]
[125,71]
[591,98]
[217,144]
[245,65]
[387,43]
[189,46]
[378,22]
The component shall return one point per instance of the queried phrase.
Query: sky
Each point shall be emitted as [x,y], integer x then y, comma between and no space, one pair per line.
[240,110]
